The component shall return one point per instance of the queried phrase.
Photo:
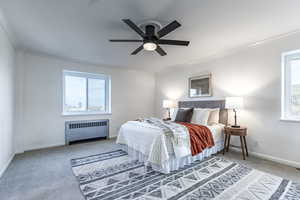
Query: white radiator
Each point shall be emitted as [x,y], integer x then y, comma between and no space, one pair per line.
[83,130]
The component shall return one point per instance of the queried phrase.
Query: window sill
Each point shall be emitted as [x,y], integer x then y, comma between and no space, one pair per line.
[85,114]
[290,120]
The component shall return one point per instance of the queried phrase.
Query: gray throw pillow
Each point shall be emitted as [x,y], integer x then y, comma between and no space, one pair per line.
[184,115]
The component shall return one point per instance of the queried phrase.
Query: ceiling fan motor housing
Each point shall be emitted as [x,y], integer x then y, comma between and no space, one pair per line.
[150,34]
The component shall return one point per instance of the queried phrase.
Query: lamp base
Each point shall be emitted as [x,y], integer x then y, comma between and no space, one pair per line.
[235,126]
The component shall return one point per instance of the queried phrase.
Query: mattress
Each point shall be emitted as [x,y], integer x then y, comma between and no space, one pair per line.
[150,142]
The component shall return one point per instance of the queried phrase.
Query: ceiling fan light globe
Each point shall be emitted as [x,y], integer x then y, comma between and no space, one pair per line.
[150,46]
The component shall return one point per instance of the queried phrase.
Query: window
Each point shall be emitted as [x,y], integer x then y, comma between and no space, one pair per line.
[86,93]
[291,86]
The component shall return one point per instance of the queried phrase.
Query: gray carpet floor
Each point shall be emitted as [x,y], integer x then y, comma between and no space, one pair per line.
[46,174]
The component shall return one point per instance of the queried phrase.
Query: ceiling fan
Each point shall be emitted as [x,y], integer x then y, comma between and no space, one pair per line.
[151,39]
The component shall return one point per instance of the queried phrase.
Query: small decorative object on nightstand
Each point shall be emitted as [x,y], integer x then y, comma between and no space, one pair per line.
[234,103]
[242,132]
[168,104]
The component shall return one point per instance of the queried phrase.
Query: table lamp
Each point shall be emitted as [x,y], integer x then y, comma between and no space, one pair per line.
[168,104]
[234,103]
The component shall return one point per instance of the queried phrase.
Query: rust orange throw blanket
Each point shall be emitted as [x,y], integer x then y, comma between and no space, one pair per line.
[200,136]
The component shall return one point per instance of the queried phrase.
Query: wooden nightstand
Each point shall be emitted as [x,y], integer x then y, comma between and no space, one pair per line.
[242,132]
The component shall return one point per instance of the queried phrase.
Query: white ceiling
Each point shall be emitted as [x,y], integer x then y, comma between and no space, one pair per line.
[80,29]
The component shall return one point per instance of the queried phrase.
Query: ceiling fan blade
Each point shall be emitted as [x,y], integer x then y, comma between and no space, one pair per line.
[160,51]
[169,28]
[137,50]
[134,27]
[126,40]
[174,42]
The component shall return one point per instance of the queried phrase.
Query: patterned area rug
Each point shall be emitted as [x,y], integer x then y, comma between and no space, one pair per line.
[113,175]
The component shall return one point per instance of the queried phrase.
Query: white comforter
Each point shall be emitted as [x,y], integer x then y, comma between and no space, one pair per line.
[150,140]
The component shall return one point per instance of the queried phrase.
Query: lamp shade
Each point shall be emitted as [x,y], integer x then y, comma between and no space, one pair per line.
[234,102]
[168,104]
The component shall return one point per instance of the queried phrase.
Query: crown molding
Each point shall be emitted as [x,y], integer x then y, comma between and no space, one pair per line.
[223,53]
[78,60]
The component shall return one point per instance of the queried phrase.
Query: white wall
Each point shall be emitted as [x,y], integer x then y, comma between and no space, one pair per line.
[255,73]
[7,105]
[41,123]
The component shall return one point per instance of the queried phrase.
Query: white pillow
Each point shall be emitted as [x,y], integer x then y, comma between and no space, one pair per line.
[214,116]
[200,116]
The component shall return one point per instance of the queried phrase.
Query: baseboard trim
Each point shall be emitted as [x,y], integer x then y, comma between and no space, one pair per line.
[39,147]
[6,165]
[271,158]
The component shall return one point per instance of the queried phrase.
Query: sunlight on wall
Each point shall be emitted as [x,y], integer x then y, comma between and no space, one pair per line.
[173,93]
[244,86]
[241,87]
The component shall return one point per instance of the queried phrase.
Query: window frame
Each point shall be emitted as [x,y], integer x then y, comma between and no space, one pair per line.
[286,59]
[88,75]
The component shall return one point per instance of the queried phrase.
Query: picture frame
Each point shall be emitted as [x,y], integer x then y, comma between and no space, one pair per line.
[200,86]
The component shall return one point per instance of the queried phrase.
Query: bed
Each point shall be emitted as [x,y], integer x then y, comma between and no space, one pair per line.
[149,145]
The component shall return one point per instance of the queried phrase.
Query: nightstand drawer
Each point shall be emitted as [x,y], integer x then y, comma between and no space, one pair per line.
[236,131]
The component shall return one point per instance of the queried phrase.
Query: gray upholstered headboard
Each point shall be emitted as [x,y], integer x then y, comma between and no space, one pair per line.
[208,104]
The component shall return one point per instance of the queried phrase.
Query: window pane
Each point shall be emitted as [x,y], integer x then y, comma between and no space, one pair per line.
[96,94]
[295,87]
[75,94]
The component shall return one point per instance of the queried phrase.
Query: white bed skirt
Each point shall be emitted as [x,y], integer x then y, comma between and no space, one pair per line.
[173,163]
